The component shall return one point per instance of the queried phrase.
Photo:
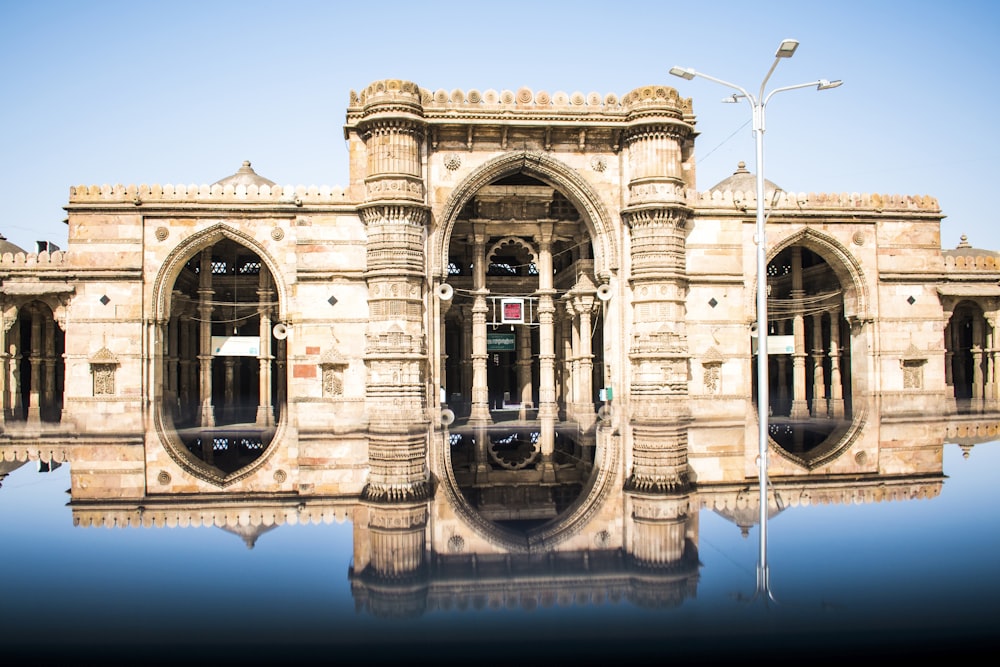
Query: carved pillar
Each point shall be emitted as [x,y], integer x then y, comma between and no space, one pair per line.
[265,295]
[391,128]
[800,408]
[584,399]
[171,363]
[836,383]
[14,376]
[480,387]
[657,145]
[819,406]
[991,356]
[205,293]
[566,337]
[35,361]
[465,364]
[547,407]
[524,370]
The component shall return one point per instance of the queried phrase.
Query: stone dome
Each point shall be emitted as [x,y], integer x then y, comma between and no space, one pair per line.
[245,176]
[743,181]
[7,246]
[965,249]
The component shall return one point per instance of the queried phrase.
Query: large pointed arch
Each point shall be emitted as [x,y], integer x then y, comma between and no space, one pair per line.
[550,171]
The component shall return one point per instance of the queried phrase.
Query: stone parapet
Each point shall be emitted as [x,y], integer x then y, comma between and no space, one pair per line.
[815,201]
[168,194]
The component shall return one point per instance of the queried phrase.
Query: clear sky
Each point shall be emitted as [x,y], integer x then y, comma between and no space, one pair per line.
[133,92]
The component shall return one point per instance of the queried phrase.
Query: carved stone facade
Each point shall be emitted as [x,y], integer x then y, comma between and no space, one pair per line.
[536,274]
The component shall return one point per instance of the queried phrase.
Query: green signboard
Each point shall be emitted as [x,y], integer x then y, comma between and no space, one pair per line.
[499,342]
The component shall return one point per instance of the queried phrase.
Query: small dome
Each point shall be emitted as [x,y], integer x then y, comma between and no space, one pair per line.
[245,176]
[7,246]
[743,181]
[965,249]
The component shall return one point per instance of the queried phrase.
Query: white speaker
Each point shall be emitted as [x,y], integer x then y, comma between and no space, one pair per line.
[447,417]
[445,291]
[280,331]
[605,413]
[604,292]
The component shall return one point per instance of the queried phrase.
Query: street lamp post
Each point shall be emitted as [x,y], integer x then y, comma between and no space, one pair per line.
[757,106]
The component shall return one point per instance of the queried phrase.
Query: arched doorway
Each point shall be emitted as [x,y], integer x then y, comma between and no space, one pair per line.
[809,355]
[501,240]
[223,364]
[523,355]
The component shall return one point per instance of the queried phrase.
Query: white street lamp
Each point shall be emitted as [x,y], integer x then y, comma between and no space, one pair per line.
[757,104]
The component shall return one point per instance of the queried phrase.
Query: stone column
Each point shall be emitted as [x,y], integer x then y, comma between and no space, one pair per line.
[48,401]
[546,331]
[800,408]
[978,345]
[35,360]
[658,147]
[584,399]
[836,383]
[205,294]
[14,375]
[524,369]
[171,364]
[480,388]
[820,407]
[388,139]
[265,294]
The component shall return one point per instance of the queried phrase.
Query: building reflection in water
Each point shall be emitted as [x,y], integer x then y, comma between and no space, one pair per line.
[535,514]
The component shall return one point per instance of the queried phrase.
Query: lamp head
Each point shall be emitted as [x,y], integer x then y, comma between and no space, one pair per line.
[787,48]
[683,72]
[826,85]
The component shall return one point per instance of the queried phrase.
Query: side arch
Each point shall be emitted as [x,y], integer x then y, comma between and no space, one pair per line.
[857,299]
[547,170]
[184,251]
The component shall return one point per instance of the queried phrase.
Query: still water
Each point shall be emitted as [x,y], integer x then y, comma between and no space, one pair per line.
[911,577]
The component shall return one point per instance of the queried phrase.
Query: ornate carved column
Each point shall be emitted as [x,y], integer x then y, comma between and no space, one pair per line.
[800,408]
[265,294]
[584,367]
[547,407]
[35,361]
[395,215]
[658,144]
[524,370]
[205,293]
[819,407]
[480,389]
[836,388]
[171,361]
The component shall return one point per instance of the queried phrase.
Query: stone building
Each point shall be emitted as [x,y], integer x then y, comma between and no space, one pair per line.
[520,299]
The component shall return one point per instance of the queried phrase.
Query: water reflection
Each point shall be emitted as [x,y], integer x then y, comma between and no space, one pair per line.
[538,519]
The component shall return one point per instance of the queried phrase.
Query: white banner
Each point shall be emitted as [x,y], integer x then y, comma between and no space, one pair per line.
[235,346]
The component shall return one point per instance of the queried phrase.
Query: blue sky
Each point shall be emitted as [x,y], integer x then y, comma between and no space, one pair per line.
[182,92]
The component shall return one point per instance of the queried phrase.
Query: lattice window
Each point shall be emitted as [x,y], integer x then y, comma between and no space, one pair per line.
[104,379]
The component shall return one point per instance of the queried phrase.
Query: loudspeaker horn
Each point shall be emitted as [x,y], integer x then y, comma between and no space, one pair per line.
[445,291]
[604,292]
[447,417]
[280,331]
